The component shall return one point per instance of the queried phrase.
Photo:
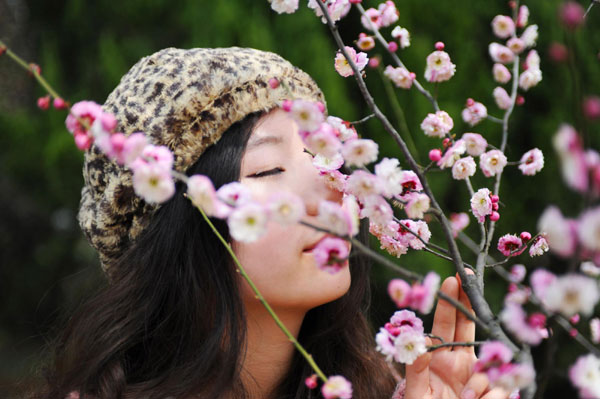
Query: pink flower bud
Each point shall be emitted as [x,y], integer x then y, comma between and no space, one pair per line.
[512,287]
[558,52]
[287,105]
[83,141]
[591,107]
[575,318]
[525,236]
[512,4]
[494,198]
[117,141]
[321,106]
[393,47]
[573,332]
[435,155]
[446,142]
[439,46]
[273,83]
[355,1]
[2,49]
[520,100]
[59,103]
[374,62]
[43,102]
[537,320]
[495,206]
[571,14]
[495,216]
[35,69]
[470,102]
[311,382]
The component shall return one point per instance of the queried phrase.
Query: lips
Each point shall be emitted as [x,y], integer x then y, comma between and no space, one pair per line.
[314,244]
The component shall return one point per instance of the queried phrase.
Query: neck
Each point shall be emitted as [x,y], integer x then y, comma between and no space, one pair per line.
[269,352]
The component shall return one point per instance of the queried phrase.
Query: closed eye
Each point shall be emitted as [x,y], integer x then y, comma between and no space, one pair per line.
[269,172]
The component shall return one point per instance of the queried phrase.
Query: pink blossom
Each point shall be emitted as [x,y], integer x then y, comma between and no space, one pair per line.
[530,36]
[492,162]
[344,130]
[234,194]
[438,124]
[516,45]
[540,279]
[247,222]
[80,120]
[475,143]
[501,54]
[492,354]
[539,246]
[388,13]
[365,42]
[391,245]
[337,9]
[409,346]
[336,218]
[202,193]
[501,73]
[531,162]
[156,155]
[439,67]
[153,183]
[371,20]
[591,107]
[589,229]
[530,78]
[285,207]
[331,254]
[323,141]
[400,76]
[133,147]
[399,291]
[585,375]
[463,168]
[512,376]
[377,209]
[522,16]
[422,296]
[362,184]
[530,330]
[511,245]
[567,143]
[571,14]
[590,269]
[325,164]
[458,222]
[334,179]
[474,113]
[410,182]
[571,293]
[307,114]
[360,152]
[517,273]
[385,344]
[402,35]
[390,176]
[342,66]
[452,154]
[595,330]
[503,26]
[560,232]
[417,205]
[502,98]
[422,231]
[404,321]
[481,204]
[284,6]
[337,387]
[350,205]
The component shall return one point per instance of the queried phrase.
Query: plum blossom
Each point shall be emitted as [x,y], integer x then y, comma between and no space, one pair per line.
[285,207]
[202,193]
[247,222]
[399,291]
[502,98]
[501,73]
[409,346]
[589,229]
[390,244]
[402,338]
[307,114]
[517,273]
[540,280]
[323,141]
[511,245]
[131,149]
[153,182]
[492,354]
[458,222]
[344,129]
[420,228]
[365,42]
[539,246]
[452,154]
[463,168]
[417,205]
[400,76]
[590,269]
[503,26]
[363,184]
[337,387]
[475,143]
[530,78]
[531,162]
[377,209]
[331,254]
[530,35]
[422,296]
[371,20]
[402,35]
[522,16]
[337,9]
[530,330]
[410,182]
[481,204]
[595,330]
[388,12]
[284,6]
[328,164]
[474,113]
[512,376]
[570,294]
[342,66]
[234,194]
[561,233]
[390,176]
[585,375]
[516,45]
[500,53]
[360,152]
[337,219]
[492,162]
[80,120]
[437,125]
[568,144]
[404,321]
[439,67]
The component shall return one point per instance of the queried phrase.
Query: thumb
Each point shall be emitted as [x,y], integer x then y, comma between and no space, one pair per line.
[417,376]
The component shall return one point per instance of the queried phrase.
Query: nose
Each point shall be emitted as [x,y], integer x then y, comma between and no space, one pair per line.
[318,190]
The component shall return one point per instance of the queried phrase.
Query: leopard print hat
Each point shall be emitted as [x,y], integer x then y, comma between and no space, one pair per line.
[185,100]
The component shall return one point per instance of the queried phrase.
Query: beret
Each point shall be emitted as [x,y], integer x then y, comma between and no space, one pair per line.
[185,100]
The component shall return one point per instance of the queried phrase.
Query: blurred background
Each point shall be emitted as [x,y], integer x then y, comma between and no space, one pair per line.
[84,47]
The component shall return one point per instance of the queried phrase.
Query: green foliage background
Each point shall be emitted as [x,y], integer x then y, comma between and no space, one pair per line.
[84,47]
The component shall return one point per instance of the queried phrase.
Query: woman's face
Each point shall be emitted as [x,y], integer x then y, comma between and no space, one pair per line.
[278,263]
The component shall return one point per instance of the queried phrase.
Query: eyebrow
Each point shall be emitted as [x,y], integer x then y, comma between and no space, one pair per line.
[253,143]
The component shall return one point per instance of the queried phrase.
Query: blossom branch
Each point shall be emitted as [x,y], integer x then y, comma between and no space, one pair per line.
[453,344]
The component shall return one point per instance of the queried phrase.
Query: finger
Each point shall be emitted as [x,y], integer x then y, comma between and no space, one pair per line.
[417,376]
[444,320]
[475,387]
[465,328]
[496,393]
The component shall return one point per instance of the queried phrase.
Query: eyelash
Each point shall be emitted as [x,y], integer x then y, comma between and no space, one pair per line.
[269,172]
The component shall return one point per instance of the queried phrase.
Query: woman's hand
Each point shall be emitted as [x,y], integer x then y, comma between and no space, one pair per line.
[447,373]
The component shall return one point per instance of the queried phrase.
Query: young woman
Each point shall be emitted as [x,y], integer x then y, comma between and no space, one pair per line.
[175,319]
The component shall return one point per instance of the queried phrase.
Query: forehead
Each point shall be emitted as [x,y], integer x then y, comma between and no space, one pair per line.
[275,128]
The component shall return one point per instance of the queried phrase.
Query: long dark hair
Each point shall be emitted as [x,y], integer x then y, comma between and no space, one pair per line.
[171,322]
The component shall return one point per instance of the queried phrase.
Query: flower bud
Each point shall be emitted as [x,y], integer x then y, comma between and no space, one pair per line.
[591,107]
[571,15]
[439,46]
[558,52]
[435,155]
[575,318]
[35,69]
[59,103]
[374,62]
[2,49]
[311,382]
[43,103]
[525,236]
[287,105]
[494,198]
[393,47]
[495,206]
[520,100]
[273,83]
[495,216]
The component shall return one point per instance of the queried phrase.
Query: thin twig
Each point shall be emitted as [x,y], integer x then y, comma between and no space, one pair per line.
[452,344]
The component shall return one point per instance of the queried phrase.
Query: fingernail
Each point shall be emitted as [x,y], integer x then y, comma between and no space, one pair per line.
[467,394]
